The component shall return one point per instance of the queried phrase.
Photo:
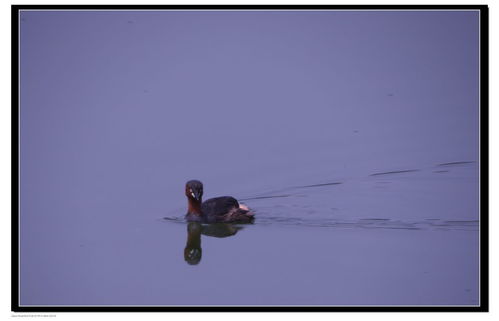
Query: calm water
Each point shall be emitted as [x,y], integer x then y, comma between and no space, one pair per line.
[353,136]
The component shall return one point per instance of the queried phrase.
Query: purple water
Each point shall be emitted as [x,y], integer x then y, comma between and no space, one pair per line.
[353,135]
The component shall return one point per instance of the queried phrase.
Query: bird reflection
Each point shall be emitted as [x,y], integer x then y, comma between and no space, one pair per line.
[193,251]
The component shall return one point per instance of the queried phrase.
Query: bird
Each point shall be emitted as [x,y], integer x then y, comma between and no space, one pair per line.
[219,209]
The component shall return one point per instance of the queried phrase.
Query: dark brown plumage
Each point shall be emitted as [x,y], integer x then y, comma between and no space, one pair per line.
[218,209]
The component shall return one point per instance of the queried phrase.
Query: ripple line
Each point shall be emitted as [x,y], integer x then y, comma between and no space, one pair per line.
[395,172]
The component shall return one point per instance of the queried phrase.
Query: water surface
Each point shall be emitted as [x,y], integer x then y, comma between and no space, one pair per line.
[353,136]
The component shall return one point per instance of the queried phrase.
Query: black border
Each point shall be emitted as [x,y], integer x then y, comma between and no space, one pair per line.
[484,165]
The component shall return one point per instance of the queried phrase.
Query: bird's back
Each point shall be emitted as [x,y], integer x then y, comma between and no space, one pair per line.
[219,206]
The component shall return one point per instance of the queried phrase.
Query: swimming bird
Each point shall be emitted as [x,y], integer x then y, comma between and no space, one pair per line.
[218,209]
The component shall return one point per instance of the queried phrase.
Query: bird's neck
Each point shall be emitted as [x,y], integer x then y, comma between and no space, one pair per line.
[194,206]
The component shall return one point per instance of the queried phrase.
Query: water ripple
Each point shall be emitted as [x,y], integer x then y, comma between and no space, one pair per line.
[456,163]
[363,223]
[395,172]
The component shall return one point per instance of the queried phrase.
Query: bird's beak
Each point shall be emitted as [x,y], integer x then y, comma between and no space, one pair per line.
[196,195]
